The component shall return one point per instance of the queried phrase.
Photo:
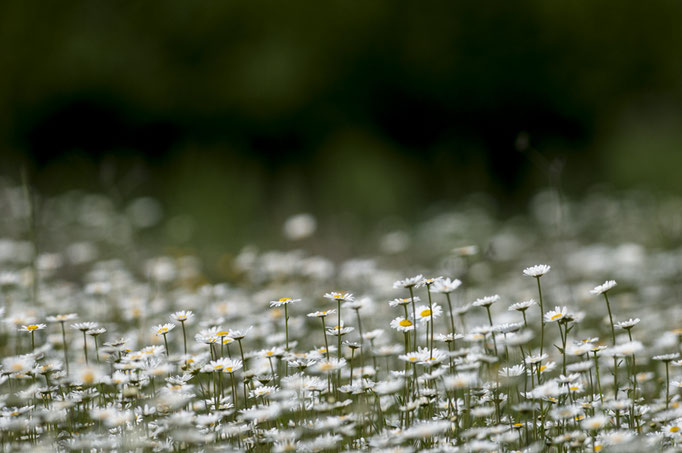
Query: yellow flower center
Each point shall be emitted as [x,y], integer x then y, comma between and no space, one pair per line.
[574,388]
[674,429]
[413,359]
[163,329]
[17,367]
[229,369]
[543,368]
[598,448]
[557,316]
[284,299]
[217,367]
[326,366]
[425,313]
[405,323]
[222,333]
[269,353]
[88,377]
[32,327]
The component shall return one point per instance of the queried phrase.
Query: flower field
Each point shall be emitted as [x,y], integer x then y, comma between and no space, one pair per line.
[554,331]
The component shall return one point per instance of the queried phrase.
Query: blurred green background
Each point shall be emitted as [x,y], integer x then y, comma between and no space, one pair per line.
[238,114]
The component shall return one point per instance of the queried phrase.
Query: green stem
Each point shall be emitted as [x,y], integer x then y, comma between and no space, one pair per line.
[324,332]
[85,347]
[542,317]
[414,317]
[184,336]
[608,307]
[66,348]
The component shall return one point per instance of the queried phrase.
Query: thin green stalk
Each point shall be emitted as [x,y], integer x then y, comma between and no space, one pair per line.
[428,291]
[184,336]
[85,347]
[542,317]
[324,332]
[414,317]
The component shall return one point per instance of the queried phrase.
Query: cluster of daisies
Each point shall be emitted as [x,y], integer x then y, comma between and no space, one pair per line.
[425,380]
[146,354]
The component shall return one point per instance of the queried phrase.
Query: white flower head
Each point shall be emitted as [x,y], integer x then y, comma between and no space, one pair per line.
[604,287]
[283,301]
[522,306]
[629,324]
[182,316]
[486,301]
[402,324]
[594,423]
[445,285]
[425,314]
[556,315]
[163,329]
[339,296]
[408,282]
[537,271]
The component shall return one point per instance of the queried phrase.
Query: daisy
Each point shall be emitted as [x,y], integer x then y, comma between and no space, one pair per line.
[182,316]
[427,282]
[85,326]
[329,365]
[461,381]
[424,314]
[627,325]
[321,314]
[445,285]
[431,357]
[536,271]
[594,423]
[410,357]
[62,318]
[604,287]
[339,296]
[402,301]
[402,324]
[557,314]
[18,364]
[666,357]
[522,306]
[240,334]
[486,301]
[283,301]
[163,329]
[32,327]
[516,370]
[409,282]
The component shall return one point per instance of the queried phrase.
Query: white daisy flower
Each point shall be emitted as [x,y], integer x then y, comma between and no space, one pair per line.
[536,271]
[402,324]
[283,301]
[408,282]
[604,287]
[556,315]
[486,301]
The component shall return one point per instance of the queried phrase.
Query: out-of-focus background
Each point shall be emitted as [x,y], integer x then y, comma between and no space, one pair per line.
[235,115]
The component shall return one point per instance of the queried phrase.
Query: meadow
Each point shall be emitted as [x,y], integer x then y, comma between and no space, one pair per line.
[556,330]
